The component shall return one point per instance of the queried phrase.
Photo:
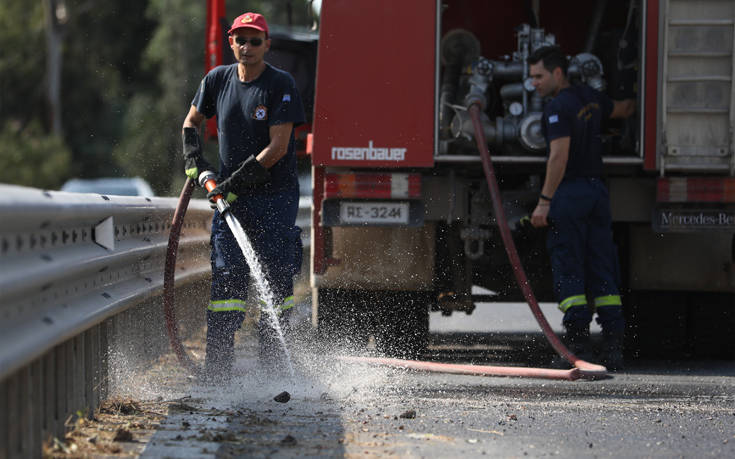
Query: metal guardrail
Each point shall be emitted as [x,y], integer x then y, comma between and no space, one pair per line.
[70,264]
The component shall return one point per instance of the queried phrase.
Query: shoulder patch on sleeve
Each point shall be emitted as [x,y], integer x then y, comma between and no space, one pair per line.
[286,98]
[553,119]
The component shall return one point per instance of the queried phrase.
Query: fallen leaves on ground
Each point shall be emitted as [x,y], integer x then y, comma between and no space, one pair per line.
[115,425]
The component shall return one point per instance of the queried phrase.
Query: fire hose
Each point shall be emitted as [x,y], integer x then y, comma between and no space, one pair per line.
[169,269]
[587,369]
[169,310]
[582,369]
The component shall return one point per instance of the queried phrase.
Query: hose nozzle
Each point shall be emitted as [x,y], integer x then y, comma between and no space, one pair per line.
[206,181]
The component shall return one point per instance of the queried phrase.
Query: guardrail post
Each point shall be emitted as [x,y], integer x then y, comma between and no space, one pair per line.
[62,387]
[35,407]
[77,376]
[90,403]
[4,424]
[49,388]
[24,411]
[104,374]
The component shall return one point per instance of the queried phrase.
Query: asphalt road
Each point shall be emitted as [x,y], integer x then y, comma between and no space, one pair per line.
[654,409]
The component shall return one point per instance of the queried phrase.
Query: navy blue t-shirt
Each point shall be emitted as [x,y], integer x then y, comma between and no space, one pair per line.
[245,112]
[577,112]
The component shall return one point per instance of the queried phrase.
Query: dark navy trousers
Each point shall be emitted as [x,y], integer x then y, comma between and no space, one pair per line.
[269,222]
[583,256]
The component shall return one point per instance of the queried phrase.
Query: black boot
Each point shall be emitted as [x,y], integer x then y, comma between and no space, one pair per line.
[219,359]
[612,351]
[612,322]
[577,340]
[272,356]
[220,356]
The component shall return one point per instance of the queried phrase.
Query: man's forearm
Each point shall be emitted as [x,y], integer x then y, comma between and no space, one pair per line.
[270,155]
[193,119]
[556,166]
[278,147]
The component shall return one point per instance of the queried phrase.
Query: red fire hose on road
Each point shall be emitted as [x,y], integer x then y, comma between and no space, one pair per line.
[474,370]
[587,368]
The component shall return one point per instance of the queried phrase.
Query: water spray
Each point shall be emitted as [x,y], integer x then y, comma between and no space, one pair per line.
[267,299]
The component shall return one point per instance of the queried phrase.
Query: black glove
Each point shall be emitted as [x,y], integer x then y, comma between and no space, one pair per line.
[194,162]
[248,175]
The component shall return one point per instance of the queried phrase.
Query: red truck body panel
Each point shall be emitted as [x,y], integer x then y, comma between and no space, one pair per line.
[213,57]
[375,84]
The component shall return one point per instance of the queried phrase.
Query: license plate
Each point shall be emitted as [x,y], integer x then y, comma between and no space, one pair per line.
[373,212]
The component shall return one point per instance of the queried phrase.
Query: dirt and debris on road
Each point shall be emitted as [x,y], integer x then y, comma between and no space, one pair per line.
[119,427]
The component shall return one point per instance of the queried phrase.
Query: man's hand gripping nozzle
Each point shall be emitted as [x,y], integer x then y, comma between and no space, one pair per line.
[206,181]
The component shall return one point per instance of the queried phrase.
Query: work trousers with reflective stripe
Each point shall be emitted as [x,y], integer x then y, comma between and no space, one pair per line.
[269,223]
[583,256]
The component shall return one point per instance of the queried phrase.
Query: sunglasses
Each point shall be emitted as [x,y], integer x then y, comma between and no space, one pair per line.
[242,41]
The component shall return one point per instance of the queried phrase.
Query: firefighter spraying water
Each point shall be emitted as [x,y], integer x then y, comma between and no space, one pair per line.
[267,299]
[257,106]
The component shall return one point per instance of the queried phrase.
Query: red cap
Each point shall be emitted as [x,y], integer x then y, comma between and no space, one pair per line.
[249,20]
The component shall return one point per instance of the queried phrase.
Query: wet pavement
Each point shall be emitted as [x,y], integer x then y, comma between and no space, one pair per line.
[393,413]
[654,409]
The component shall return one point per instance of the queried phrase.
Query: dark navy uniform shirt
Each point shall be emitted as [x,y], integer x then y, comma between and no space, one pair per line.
[577,112]
[245,112]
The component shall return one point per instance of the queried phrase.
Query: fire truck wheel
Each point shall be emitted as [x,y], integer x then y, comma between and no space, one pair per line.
[403,325]
[680,324]
[342,319]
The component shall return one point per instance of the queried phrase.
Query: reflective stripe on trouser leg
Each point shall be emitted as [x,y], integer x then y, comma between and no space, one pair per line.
[609,310]
[608,300]
[288,303]
[576,300]
[227,305]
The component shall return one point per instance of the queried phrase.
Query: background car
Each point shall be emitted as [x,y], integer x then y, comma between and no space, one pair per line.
[121,186]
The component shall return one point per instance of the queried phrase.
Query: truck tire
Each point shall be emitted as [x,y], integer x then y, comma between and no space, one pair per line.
[680,325]
[403,326]
[342,319]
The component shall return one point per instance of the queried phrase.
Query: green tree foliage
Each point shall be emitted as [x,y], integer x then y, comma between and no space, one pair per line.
[32,158]
[175,55]
[101,47]
[21,61]
[28,154]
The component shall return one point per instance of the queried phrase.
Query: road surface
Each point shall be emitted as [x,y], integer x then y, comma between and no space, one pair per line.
[654,409]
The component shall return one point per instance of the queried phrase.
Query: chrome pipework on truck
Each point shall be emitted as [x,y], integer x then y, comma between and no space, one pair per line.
[520,124]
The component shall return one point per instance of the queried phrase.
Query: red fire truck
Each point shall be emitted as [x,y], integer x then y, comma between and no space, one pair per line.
[402,220]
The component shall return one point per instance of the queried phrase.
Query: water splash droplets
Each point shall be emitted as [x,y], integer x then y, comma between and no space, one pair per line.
[267,300]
